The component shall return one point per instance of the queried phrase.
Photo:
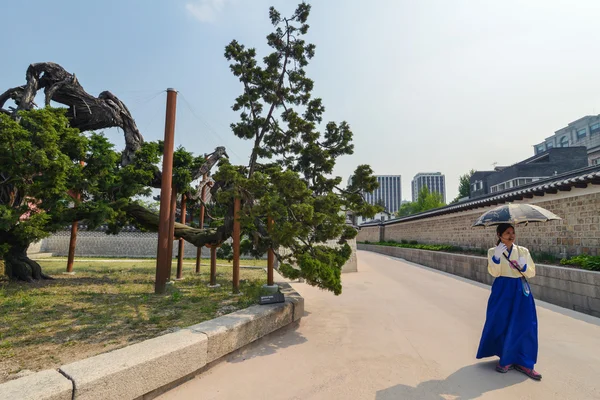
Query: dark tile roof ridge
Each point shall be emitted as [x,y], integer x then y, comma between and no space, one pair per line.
[566,179]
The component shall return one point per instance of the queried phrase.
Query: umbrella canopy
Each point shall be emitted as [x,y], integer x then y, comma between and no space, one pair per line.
[515,214]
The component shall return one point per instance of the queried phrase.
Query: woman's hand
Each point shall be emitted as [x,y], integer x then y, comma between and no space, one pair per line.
[501,248]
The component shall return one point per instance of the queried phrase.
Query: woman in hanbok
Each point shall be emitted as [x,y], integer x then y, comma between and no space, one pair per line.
[510,330]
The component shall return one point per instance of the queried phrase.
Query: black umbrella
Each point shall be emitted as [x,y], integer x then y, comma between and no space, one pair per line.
[515,214]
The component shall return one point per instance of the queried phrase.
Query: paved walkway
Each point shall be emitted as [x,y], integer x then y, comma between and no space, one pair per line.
[401,331]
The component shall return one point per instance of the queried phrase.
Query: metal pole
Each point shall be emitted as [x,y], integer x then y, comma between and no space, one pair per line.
[163,259]
[181,241]
[270,255]
[236,244]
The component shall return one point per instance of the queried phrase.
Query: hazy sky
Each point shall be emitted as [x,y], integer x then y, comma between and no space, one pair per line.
[426,85]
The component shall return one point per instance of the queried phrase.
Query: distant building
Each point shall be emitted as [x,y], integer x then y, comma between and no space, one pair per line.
[583,132]
[389,193]
[551,162]
[380,216]
[434,181]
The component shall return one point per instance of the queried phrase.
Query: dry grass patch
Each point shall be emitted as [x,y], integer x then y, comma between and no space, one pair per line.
[107,305]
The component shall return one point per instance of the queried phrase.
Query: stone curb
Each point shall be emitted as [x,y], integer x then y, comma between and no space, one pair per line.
[136,370]
[44,385]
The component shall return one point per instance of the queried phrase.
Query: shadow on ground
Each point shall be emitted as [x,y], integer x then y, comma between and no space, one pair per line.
[285,337]
[467,383]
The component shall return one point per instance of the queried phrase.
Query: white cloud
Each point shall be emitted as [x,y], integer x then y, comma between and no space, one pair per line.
[205,10]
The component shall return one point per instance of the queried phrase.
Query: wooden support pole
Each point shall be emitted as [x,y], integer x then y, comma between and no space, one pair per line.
[236,245]
[270,256]
[163,258]
[173,208]
[198,259]
[181,241]
[201,221]
[72,243]
[74,227]
[213,266]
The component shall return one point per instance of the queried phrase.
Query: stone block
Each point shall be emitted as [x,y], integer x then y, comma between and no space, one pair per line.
[571,274]
[135,370]
[541,270]
[484,278]
[585,289]
[594,305]
[536,290]
[293,297]
[233,331]
[552,283]
[565,299]
[44,385]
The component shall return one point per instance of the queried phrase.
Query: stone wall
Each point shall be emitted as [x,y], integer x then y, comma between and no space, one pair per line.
[578,231]
[133,245]
[99,244]
[368,234]
[575,289]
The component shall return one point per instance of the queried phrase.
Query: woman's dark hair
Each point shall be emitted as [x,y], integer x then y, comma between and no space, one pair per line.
[500,229]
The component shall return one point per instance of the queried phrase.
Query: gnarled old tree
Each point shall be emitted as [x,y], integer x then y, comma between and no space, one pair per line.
[40,155]
[289,176]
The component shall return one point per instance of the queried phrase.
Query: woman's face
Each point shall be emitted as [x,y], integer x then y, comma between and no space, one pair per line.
[508,237]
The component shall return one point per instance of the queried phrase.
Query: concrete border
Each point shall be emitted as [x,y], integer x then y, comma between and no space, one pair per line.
[134,371]
[571,288]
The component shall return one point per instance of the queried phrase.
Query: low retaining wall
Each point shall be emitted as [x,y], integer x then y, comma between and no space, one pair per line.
[139,369]
[575,289]
[578,232]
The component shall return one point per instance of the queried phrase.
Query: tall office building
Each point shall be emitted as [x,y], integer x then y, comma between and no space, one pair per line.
[434,181]
[389,192]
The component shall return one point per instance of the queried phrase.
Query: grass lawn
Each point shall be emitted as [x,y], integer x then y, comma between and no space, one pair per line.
[107,305]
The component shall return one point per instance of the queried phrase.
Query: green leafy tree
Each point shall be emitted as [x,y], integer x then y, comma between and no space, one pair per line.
[464,186]
[426,201]
[289,176]
[40,166]
[43,161]
[294,152]
[407,209]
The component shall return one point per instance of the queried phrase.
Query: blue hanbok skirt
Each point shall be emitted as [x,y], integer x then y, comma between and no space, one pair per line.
[510,330]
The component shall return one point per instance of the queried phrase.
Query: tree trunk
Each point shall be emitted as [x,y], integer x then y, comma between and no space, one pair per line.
[85,111]
[195,236]
[20,267]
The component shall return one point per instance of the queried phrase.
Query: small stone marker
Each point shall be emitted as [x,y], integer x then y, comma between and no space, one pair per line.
[272,298]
